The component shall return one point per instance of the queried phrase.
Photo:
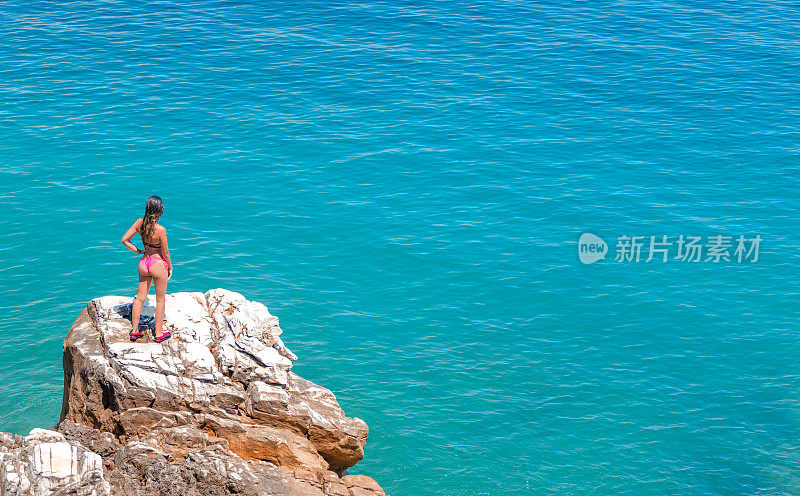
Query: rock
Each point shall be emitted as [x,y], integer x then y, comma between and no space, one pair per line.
[365,485]
[102,443]
[44,463]
[215,409]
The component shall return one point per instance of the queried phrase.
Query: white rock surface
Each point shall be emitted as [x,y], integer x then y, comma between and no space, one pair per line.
[44,462]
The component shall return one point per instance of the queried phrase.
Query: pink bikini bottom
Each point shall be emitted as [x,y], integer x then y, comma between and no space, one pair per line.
[150,261]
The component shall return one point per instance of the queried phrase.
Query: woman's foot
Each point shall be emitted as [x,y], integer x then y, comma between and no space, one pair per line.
[162,337]
[135,335]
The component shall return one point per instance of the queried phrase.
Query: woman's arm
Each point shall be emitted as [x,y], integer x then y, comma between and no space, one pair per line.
[165,253]
[126,240]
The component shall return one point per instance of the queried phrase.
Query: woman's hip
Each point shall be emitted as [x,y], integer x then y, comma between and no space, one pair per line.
[148,262]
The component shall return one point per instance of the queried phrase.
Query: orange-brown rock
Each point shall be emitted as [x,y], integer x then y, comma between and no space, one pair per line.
[220,390]
[361,485]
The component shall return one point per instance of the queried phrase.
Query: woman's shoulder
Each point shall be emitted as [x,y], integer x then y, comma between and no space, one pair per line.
[161,229]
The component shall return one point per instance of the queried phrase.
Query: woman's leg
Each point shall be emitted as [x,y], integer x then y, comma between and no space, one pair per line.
[159,273]
[141,296]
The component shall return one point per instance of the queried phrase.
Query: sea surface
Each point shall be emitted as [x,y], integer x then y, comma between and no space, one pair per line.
[404,184]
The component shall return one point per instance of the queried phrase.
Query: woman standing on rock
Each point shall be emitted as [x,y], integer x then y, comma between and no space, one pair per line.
[155,264]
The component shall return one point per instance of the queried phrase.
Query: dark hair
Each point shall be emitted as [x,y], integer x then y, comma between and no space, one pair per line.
[152,211]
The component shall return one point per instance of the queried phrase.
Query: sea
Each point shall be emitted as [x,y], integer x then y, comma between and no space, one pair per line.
[540,247]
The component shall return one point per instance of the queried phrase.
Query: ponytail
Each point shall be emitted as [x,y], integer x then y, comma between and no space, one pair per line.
[152,211]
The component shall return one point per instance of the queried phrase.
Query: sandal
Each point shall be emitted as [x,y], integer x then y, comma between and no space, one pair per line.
[135,335]
[164,336]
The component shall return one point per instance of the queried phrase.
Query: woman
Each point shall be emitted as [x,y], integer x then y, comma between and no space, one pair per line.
[155,264]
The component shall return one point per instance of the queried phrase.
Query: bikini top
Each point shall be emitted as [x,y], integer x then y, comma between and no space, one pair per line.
[148,244]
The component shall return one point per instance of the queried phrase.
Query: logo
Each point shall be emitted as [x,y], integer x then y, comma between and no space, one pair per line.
[591,248]
[687,249]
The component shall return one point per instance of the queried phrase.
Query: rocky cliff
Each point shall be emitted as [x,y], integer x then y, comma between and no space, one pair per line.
[214,410]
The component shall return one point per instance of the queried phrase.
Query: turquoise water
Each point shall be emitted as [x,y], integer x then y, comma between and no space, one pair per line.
[403,184]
